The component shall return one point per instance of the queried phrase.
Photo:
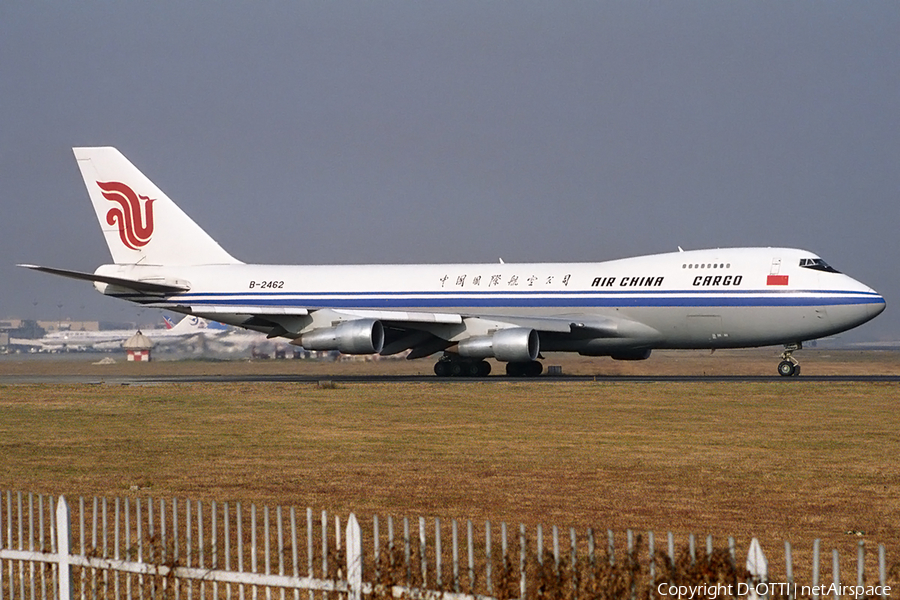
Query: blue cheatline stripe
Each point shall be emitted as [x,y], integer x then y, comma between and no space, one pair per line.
[476,294]
[515,302]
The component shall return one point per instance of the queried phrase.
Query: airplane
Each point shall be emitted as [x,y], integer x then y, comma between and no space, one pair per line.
[187,327]
[511,312]
[226,339]
[207,328]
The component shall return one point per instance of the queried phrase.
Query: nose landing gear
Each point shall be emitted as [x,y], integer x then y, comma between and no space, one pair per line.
[789,367]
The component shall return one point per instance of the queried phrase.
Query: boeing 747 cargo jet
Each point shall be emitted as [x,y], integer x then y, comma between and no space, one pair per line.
[720,298]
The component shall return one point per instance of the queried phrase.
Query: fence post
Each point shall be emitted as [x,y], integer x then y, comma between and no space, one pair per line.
[789,570]
[861,564]
[758,567]
[354,558]
[422,551]
[522,561]
[612,547]
[64,543]
[815,569]
[836,573]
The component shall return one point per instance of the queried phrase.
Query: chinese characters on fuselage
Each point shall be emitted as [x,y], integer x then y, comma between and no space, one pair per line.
[463,280]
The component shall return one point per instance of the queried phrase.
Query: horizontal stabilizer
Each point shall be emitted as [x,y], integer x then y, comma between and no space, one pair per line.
[149,287]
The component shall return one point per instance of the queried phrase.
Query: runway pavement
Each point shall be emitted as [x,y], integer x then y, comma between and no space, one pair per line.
[361,379]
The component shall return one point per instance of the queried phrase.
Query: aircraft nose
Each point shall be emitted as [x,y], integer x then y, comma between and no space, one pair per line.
[877,307]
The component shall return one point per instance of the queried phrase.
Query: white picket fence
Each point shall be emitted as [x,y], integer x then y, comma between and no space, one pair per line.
[134,549]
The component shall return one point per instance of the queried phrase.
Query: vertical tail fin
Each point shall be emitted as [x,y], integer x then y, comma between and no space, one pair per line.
[140,223]
[188,324]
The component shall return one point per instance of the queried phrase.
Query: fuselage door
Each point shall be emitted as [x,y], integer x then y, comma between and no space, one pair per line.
[776,266]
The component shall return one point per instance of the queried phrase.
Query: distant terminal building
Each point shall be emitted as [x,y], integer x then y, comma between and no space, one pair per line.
[68,325]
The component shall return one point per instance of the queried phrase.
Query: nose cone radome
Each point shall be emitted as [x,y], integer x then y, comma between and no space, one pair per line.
[862,305]
[872,303]
[878,305]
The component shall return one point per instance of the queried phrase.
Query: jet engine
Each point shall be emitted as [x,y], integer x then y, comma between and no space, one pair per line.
[518,344]
[362,336]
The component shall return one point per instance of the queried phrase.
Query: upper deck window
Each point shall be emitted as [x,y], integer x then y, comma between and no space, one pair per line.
[817,264]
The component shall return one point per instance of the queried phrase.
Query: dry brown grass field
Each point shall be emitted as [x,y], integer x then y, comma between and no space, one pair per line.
[779,460]
[753,362]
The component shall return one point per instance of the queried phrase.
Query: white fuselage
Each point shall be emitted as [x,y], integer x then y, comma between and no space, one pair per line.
[718,298]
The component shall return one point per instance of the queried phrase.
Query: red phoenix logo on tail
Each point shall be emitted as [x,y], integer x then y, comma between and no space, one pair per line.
[135,226]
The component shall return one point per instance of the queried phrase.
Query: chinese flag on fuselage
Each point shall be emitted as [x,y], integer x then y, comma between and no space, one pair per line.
[777,280]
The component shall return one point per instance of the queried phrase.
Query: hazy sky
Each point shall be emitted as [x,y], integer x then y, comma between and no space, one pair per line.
[456,131]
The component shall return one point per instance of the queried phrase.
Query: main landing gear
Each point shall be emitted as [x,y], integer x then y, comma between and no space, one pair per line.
[789,367]
[453,365]
[456,366]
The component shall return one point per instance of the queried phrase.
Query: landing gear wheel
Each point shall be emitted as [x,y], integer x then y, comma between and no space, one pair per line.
[787,369]
[484,368]
[442,368]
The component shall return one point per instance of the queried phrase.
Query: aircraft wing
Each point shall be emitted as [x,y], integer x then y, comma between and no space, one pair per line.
[399,317]
[32,343]
[603,327]
[421,332]
[234,309]
[598,326]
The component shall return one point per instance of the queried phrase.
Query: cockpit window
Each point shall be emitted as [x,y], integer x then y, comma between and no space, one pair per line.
[817,264]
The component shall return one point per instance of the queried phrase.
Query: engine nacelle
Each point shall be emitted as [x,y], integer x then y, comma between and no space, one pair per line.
[362,336]
[517,344]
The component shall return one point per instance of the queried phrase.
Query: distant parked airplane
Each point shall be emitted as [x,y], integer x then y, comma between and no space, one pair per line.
[719,298]
[188,327]
[209,328]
